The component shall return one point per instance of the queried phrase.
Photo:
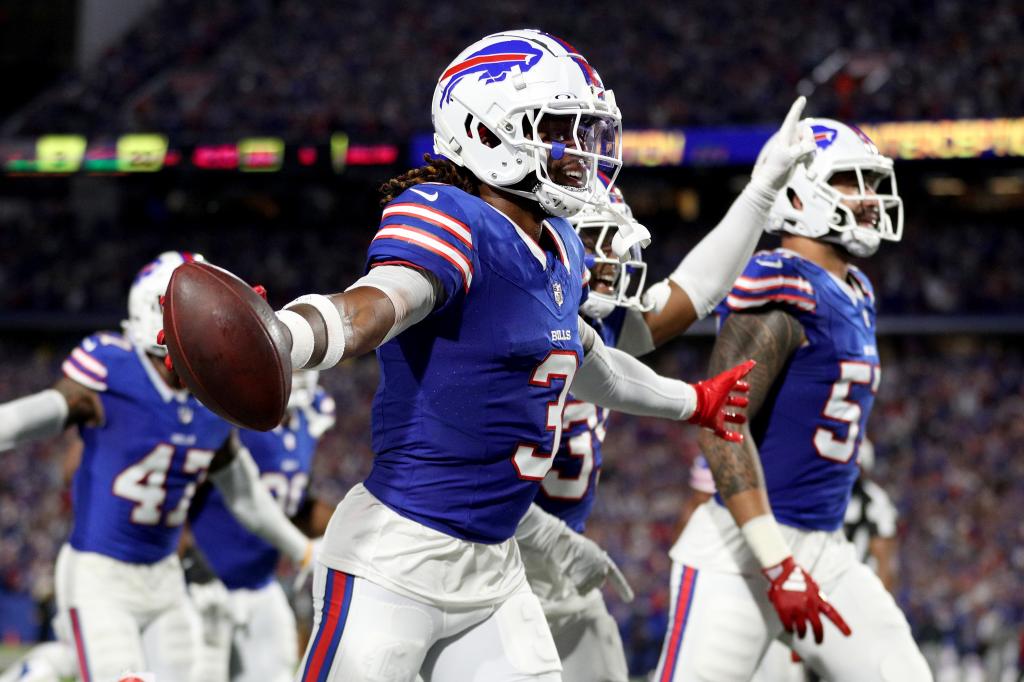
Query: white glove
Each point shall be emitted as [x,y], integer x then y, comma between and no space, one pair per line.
[791,145]
[569,554]
[588,566]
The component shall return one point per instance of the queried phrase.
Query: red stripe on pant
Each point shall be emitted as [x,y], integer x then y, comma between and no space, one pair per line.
[334,597]
[679,623]
[83,662]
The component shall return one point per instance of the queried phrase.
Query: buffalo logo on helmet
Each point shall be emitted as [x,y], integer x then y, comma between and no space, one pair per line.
[824,136]
[491,64]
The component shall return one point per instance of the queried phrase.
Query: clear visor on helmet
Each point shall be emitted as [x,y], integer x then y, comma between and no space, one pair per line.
[575,140]
[619,281]
[864,196]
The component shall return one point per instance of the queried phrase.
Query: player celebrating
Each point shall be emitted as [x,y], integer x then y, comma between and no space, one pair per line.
[256,618]
[474,284]
[808,317]
[148,445]
[634,320]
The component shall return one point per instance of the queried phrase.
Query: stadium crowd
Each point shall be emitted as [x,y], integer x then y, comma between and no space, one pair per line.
[303,68]
[947,426]
[54,259]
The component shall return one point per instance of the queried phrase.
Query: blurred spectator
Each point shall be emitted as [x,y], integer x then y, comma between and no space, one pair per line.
[302,68]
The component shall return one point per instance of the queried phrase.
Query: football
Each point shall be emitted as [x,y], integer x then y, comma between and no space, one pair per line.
[227,346]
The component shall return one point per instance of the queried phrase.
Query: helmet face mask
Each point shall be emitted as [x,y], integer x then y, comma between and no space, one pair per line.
[145,315]
[848,196]
[516,107]
[304,382]
[614,282]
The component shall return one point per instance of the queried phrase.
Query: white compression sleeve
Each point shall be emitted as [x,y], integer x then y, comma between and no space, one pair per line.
[409,291]
[39,415]
[254,507]
[709,270]
[618,381]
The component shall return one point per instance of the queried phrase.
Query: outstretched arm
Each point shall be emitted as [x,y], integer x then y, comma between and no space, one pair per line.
[618,381]
[379,306]
[47,413]
[236,476]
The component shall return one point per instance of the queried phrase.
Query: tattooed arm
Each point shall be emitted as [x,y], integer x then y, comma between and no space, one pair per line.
[770,337]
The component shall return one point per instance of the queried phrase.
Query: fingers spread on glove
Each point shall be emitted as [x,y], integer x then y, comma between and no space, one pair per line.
[833,615]
[801,626]
[819,631]
[740,371]
[730,436]
[737,401]
[734,418]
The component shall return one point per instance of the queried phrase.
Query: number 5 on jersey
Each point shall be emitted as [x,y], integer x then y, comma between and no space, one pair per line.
[530,462]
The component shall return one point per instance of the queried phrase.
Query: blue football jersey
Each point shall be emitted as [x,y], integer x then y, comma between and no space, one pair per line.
[284,457]
[469,408]
[140,468]
[568,491]
[811,426]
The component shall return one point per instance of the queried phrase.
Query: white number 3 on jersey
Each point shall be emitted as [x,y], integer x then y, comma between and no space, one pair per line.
[530,462]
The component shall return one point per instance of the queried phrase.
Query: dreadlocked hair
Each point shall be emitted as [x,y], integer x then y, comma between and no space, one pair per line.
[436,169]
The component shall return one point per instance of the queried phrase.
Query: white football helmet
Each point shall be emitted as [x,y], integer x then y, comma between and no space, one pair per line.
[145,316]
[857,221]
[597,227]
[492,100]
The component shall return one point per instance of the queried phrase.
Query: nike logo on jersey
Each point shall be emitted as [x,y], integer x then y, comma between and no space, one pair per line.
[429,197]
[770,263]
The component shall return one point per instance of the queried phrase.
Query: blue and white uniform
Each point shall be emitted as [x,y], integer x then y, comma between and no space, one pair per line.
[465,421]
[807,434]
[257,619]
[118,580]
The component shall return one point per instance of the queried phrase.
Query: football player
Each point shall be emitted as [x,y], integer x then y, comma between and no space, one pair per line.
[254,618]
[635,320]
[471,299]
[148,444]
[743,566]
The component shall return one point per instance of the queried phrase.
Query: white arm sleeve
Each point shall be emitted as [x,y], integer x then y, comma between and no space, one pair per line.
[408,289]
[709,270]
[254,507]
[618,381]
[36,416]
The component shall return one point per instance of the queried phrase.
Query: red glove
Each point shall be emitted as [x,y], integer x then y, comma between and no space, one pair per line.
[715,394]
[797,600]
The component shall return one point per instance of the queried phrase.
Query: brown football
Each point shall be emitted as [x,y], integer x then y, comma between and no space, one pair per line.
[227,346]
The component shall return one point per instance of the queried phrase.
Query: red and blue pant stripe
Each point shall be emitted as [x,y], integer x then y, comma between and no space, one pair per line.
[333,614]
[681,614]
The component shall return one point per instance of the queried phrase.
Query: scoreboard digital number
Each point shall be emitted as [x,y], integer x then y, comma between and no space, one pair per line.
[260,154]
[59,153]
[141,153]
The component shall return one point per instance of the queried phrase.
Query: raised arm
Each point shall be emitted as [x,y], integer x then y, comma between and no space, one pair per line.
[708,271]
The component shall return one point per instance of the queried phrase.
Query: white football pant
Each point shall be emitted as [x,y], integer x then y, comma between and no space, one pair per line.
[366,633]
[588,641]
[721,620]
[126,617]
[248,636]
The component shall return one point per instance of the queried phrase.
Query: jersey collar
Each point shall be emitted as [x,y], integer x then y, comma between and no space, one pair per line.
[166,392]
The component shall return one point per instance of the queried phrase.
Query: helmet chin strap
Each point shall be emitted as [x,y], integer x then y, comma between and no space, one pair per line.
[560,202]
[859,242]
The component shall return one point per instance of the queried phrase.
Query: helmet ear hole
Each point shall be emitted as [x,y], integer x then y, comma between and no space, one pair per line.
[486,136]
[794,199]
[469,125]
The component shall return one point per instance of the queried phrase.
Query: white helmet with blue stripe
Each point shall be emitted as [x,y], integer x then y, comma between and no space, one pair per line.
[847,195]
[515,104]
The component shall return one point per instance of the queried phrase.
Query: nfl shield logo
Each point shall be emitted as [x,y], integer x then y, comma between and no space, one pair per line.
[556,289]
[185,414]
